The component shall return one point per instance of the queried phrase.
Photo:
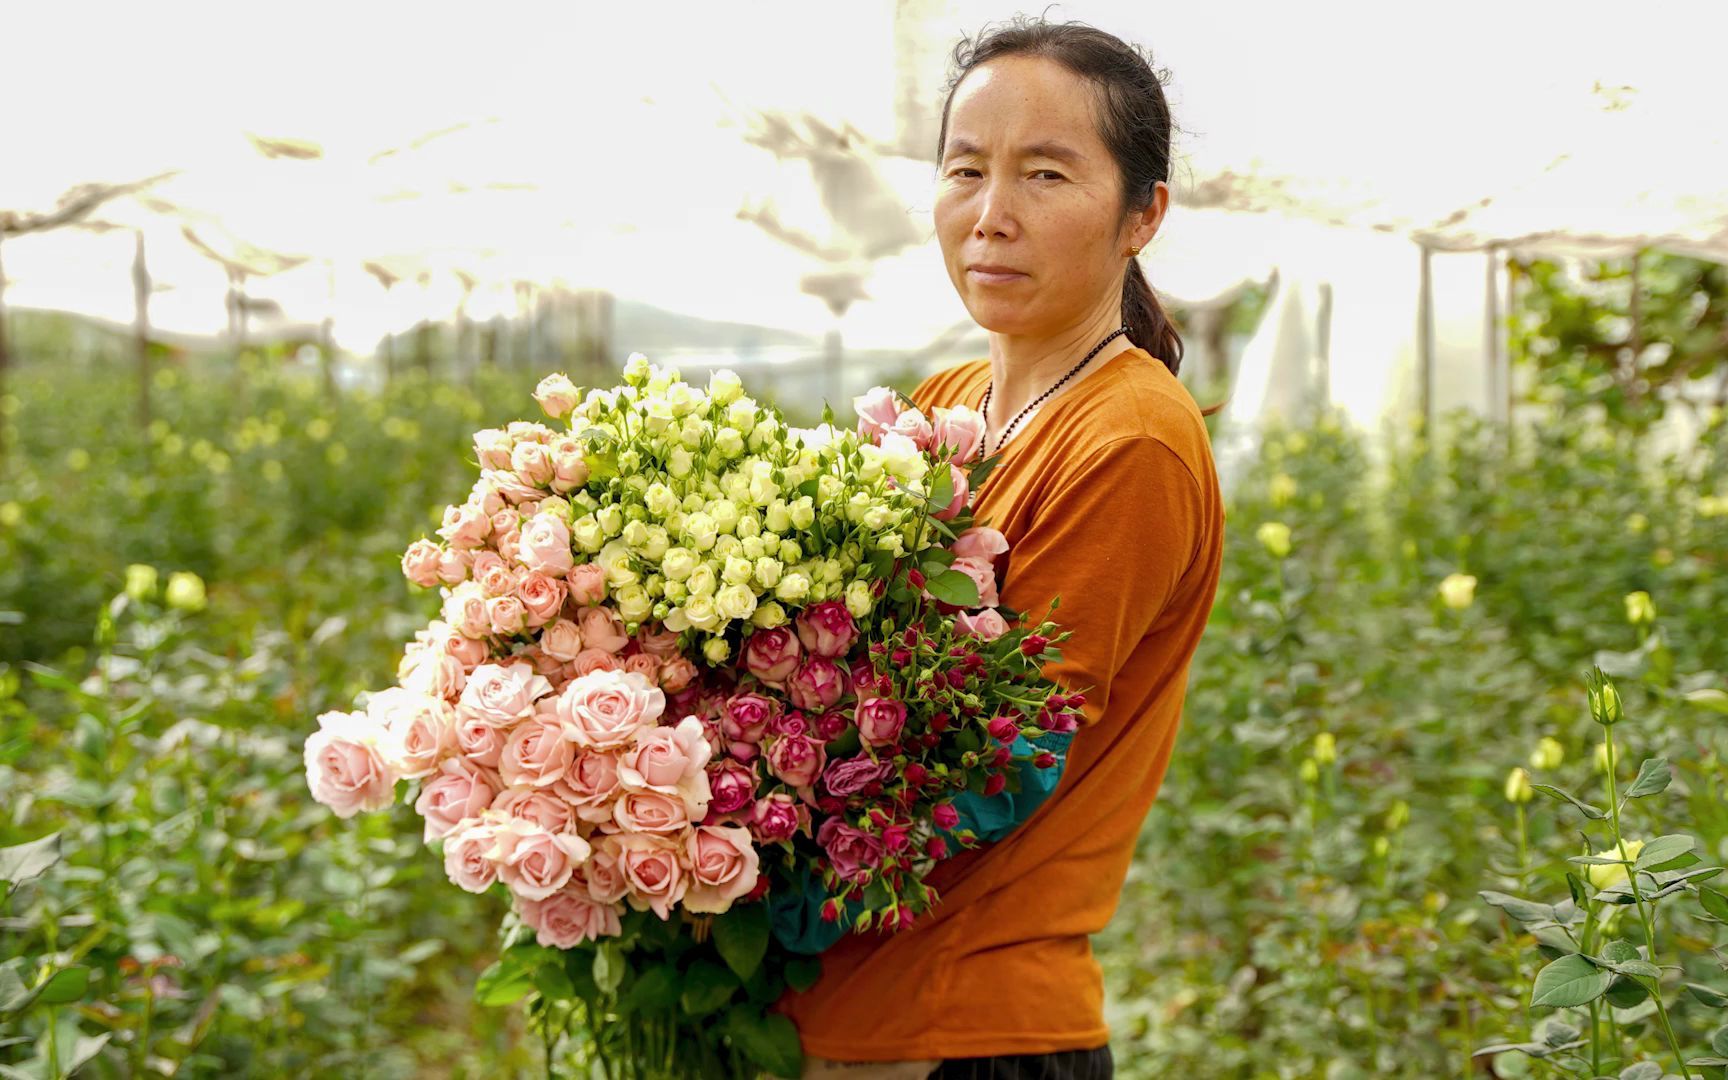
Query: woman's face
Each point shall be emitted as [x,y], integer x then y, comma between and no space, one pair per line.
[1025,182]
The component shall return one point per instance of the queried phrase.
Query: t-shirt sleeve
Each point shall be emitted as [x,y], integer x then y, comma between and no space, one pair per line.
[1112,541]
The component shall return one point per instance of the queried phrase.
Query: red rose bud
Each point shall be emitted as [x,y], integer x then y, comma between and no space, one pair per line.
[916,774]
[1045,760]
[901,658]
[878,818]
[937,848]
[761,889]
[1076,700]
[939,722]
[957,678]
[945,816]
[1003,729]
[915,578]
[894,837]
[905,917]
[930,740]
[995,784]
[910,637]
[830,911]
[830,804]
[1034,644]
[1003,757]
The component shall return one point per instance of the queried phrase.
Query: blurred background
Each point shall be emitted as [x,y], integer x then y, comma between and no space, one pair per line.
[1460,276]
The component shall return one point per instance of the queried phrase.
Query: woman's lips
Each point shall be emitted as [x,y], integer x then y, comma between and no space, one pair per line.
[987,278]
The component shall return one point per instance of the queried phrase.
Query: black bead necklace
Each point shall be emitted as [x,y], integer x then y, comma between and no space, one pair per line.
[984,406]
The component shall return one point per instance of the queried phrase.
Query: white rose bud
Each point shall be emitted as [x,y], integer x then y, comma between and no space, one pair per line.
[614,558]
[716,649]
[633,602]
[741,414]
[635,535]
[703,581]
[727,547]
[611,520]
[679,462]
[793,587]
[803,512]
[737,571]
[878,518]
[858,599]
[768,572]
[736,601]
[700,530]
[768,616]
[636,368]
[749,525]
[655,546]
[724,386]
[790,552]
[587,534]
[659,499]
[779,516]
[678,563]
[729,442]
[702,613]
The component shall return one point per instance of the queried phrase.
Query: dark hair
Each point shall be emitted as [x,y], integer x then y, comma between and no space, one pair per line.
[1133,120]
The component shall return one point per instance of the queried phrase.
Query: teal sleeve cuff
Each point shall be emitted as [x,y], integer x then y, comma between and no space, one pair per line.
[993,817]
[795,916]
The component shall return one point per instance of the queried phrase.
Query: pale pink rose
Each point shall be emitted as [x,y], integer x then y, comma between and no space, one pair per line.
[513,488]
[567,918]
[544,546]
[420,563]
[435,674]
[533,861]
[827,629]
[817,684]
[464,526]
[587,584]
[778,817]
[549,666]
[962,491]
[557,395]
[569,467]
[672,761]
[877,410]
[796,759]
[508,544]
[481,741]
[605,709]
[347,765]
[542,807]
[452,566]
[723,866]
[644,665]
[460,790]
[772,655]
[468,651]
[588,661]
[465,610]
[745,717]
[654,870]
[507,519]
[651,812]
[465,858]
[987,625]
[492,448]
[850,850]
[602,629]
[984,575]
[541,597]
[915,426]
[880,720]
[532,462]
[506,616]
[422,730]
[961,428]
[530,431]
[733,786]
[561,640]
[657,641]
[604,871]
[484,493]
[591,785]
[537,753]
[979,542]
[677,674]
[501,694]
[492,574]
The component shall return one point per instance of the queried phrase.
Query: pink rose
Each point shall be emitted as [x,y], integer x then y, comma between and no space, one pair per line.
[422,730]
[535,862]
[567,918]
[817,684]
[827,629]
[465,609]
[569,468]
[452,567]
[723,866]
[468,651]
[745,717]
[549,666]
[962,491]
[557,395]
[537,753]
[464,526]
[588,661]
[604,871]
[850,776]
[672,761]
[677,674]
[654,871]
[533,463]
[864,677]
[435,674]
[960,428]
[501,694]
[778,817]
[945,816]
[481,742]
[984,575]
[544,546]
[346,764]
[591,786]
[644,665]
[492,448]
[651,812]
[513,488]
[850,850]
[545,809]
[733,785]
[587,584]
[465,858]
[506,519]
[561,640]
[796,759]
[506,616]
[772,655]
[880,720]
[987,625]
[979,542]
[460,790]
[541,598]
[913,425]
[790,722]
[420,563]
[658,641]
[877,411]
[602,629]
[492,574]
[605,709]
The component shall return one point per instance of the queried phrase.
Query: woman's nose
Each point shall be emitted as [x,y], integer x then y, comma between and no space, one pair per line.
[996,209]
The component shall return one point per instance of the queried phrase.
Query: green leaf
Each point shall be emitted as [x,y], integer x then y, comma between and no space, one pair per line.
[65,985]
[981,471]
[802,972]
[1713,902]
[771,1041]
[1619,951]
[1569,982]
[707,986]
[741,935]
[1654,775]
[1643,1070]
[953,587]
[1705,995]
[1582,807]
[26,862]
[1625,993]
[1709,698]
[1719,1041]
[1525,911]
[504,982]
[1660,852]
[609,967]
[942,490]
[655,991]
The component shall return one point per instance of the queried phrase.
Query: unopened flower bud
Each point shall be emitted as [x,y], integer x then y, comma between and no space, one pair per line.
[1518,789]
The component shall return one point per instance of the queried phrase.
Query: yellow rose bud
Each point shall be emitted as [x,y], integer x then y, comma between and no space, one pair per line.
[1548,754]
[1274,536]
[736,601]
[1605,707]
[769,615]
[1325,748]
[140,581]
[1518,789]
[1640,610]
[185,591]
[1458,591]
[1309,771]
[859,599]
[1605,874]
[1636,523]
[1381,847]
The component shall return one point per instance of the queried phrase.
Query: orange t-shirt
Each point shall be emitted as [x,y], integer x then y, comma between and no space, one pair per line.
[1110,500]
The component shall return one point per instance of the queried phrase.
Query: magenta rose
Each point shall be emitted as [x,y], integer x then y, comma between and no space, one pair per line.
[851,850]
[827,629]
[772,655]
[723,866]
[460,790]
[778,817]
[865,680]
[796,759]
[849,776]
[831,725]
[347,763]
[817,684]
[745,717]
[880,720]
[733,785]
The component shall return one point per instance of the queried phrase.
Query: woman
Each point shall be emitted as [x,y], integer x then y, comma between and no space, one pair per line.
[1053,160]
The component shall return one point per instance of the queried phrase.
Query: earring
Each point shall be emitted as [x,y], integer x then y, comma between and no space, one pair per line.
[1133,251]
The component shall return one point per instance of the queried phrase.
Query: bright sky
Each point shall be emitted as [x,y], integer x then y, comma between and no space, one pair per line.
[626,121]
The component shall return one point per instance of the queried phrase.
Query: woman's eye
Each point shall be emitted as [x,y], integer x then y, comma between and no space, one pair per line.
[1048,172]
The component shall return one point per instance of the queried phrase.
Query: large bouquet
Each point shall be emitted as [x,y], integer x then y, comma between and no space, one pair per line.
[707,692]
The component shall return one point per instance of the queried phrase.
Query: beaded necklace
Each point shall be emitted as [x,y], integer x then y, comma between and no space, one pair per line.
[984,406]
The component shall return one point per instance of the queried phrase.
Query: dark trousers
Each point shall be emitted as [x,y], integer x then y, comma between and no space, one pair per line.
[1067,1065]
